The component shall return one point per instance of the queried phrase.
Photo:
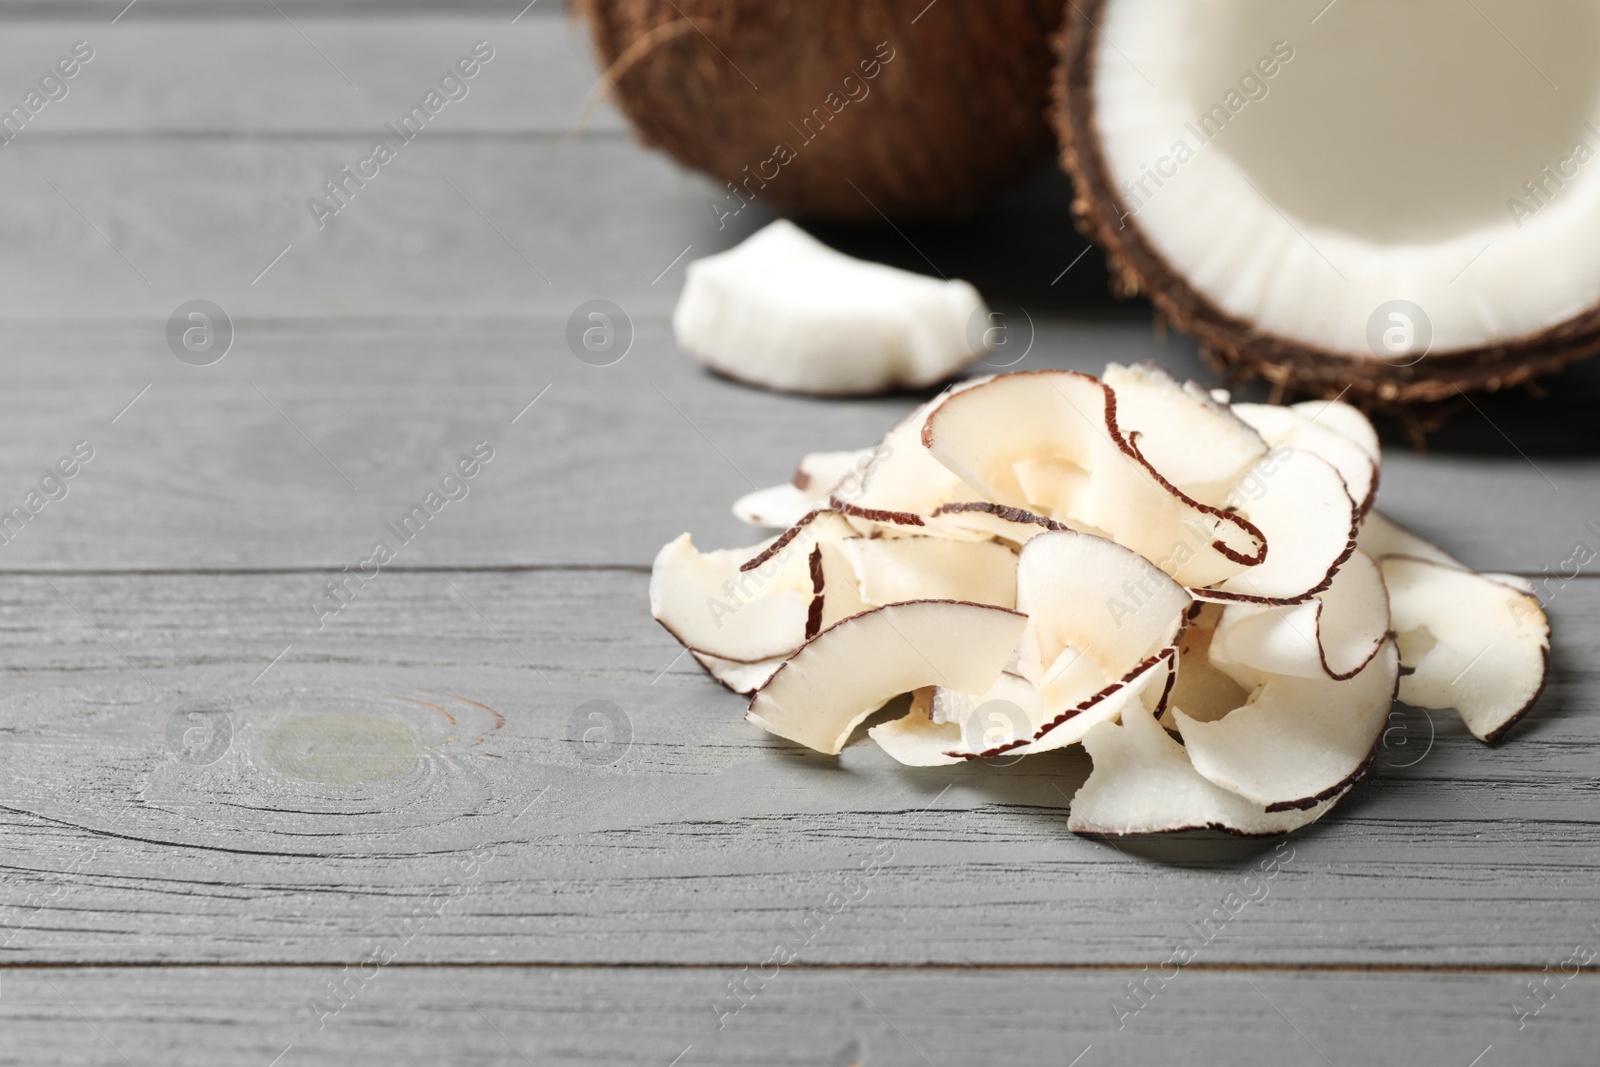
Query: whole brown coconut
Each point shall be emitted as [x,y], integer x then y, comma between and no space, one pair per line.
[1298,190]
[846,110]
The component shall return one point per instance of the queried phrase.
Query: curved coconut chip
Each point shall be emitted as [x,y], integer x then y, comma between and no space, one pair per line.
[951,726]
[1289,427]
[1344,419]
[1098,613]
[812,527]
[1202,689]
[1381,537]
[901,485]
[1336,634]
[983,432]
[1148,687]
[835,589]
[734,607]
[741,678]
[841,676]
[1296,741]
[1143,783]
[1299,502]
[706,602]
[1172,420]
[1103,626]
[780,506]
[893,570]
[1471,643]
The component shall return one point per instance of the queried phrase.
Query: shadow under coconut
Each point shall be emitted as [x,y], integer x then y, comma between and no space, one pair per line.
[1559,416]
[1018,249]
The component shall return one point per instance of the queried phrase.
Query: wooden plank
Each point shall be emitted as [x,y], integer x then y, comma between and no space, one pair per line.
[455,226]
[266,75]
[882,1018]
[363,768]
[209,468]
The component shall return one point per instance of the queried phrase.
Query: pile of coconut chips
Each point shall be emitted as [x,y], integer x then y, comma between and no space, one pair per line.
[1198,592]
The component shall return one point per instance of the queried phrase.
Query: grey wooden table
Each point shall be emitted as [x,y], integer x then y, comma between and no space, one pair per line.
[235,828]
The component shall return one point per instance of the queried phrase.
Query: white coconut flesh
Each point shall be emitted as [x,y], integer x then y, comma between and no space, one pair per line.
[901,486]
[1318,434]
[1296,741]
[1381,536]
[846,673]
[1335,634]
[1342,419]
[785,311]
[715,603]
[781,506]
[952,727]
[1302,173]
[1301,506]
[1469,642]
[982,433]
[1169,417]
[1103,625]
[836,592]
[1143,783]
[1097,614]
[741,678]
[891,570]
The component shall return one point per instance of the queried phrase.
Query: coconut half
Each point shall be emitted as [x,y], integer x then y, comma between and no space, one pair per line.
[851,111]
[784,311]
[1289,183]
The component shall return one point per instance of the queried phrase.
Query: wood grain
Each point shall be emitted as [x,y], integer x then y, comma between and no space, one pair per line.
[214,802]
[802,1017]
[267,75]
[365,765]
[239,464]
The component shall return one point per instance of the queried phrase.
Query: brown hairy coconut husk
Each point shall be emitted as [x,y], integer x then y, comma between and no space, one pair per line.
[842,111]
[1379,200]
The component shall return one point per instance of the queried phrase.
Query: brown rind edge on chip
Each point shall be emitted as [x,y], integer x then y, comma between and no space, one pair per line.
[1233,345]
[1122,444]
[1167,656]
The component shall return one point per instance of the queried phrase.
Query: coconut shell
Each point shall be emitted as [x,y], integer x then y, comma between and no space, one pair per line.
[901,109]
[1234,345]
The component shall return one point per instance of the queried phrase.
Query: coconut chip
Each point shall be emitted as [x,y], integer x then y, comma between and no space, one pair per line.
[1143,783]
[847,672]
[1469,642]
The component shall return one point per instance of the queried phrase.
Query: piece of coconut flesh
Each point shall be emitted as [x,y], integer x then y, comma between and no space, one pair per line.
[785,311]
[1471,643]
[1307,186]
[847,672]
